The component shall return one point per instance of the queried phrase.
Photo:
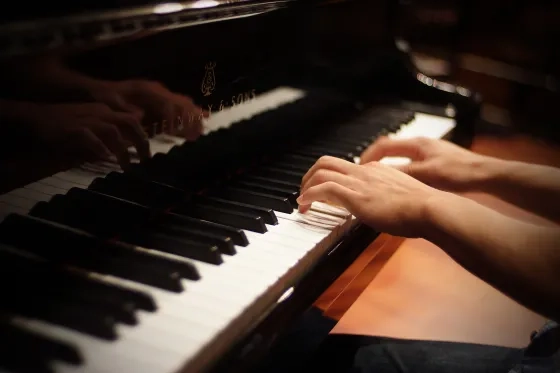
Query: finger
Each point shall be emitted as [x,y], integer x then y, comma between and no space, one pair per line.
[325,176]
[328,192]
[113,139]
[329,163]
[91,144]
[194,124]
[386,147]
[116,102]
[132,131]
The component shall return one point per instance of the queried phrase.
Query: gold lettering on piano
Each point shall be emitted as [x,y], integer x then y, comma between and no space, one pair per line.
[236,99]
[209,80]
[179,123]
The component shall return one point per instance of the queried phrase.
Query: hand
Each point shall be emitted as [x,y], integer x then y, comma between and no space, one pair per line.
[381,196]
[438,163]
[175,114]
[93,129]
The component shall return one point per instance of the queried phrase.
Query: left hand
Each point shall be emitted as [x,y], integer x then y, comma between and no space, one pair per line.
[382,197]
[176,114]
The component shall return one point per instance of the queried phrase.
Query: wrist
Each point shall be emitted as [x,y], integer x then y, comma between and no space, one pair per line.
[435,208]
[492,174]
[484,173]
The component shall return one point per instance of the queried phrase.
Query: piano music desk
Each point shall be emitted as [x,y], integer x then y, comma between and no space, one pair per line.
[409,288]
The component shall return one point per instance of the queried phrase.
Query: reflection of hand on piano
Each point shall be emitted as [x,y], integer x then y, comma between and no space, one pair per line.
[169,112]
[381,196]
[91,129]
[438,163]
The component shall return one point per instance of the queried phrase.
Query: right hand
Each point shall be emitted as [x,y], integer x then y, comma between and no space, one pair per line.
[91,129]
[438,163]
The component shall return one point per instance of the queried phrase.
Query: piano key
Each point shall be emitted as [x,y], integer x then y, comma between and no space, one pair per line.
[254,198]
[35,345]
[21,276]
[75,277]
[268,189]
[267,215]
[182,247]
[63,312]
[72,247]
[223,215]
[263,180]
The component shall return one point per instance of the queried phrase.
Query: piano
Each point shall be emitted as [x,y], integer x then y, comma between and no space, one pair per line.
[194,259]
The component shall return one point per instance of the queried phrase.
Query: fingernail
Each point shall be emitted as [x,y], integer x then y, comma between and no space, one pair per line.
[300,200]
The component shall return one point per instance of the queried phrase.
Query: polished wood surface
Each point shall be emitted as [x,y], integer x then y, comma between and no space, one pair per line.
[414,290]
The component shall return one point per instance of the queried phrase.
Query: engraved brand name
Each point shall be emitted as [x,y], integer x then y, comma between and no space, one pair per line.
[179,123]
[237,99]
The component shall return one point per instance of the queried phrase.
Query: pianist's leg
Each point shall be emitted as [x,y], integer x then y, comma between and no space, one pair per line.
[309,348]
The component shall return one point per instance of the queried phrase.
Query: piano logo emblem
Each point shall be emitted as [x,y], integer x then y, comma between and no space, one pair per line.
[209,81]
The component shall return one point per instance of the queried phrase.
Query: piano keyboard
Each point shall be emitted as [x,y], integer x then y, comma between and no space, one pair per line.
[179,288]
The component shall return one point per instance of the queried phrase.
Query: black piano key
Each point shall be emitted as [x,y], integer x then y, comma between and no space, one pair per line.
[64,212]
[314,150]
[297,159]
[123,213]
[224,243]
[60,312]
[278,173]
[294,187]
[223,215]
[293,166]
[14,361]
[236,234]
[267,189]
[351,148]
[268,215]
[79,280]
[72,247]
[34,345]
[260,199]
[344,142]
[145,192]
[28,281]
[179,246]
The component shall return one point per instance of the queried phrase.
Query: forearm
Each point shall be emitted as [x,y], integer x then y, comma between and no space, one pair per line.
[532,187]
[519,259]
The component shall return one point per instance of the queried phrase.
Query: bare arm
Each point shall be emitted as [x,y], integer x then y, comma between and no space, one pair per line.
[532,187]
[449,167]
[519,259]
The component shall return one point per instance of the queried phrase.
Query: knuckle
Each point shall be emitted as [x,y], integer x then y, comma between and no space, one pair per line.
[330,185]
[320,176]
[423,141]
[325,160]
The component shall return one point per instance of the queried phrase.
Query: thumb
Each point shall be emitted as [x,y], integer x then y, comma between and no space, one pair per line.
[417,170]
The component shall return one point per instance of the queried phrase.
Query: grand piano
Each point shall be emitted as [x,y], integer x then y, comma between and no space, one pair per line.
[194,258]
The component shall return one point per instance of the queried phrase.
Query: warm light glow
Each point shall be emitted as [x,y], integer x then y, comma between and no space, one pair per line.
[168,8]
[286,294]
[205,4]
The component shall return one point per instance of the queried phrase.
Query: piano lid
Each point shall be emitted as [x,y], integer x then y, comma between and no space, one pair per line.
[29,28]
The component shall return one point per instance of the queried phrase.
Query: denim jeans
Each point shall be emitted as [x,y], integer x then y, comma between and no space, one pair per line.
[309,348]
